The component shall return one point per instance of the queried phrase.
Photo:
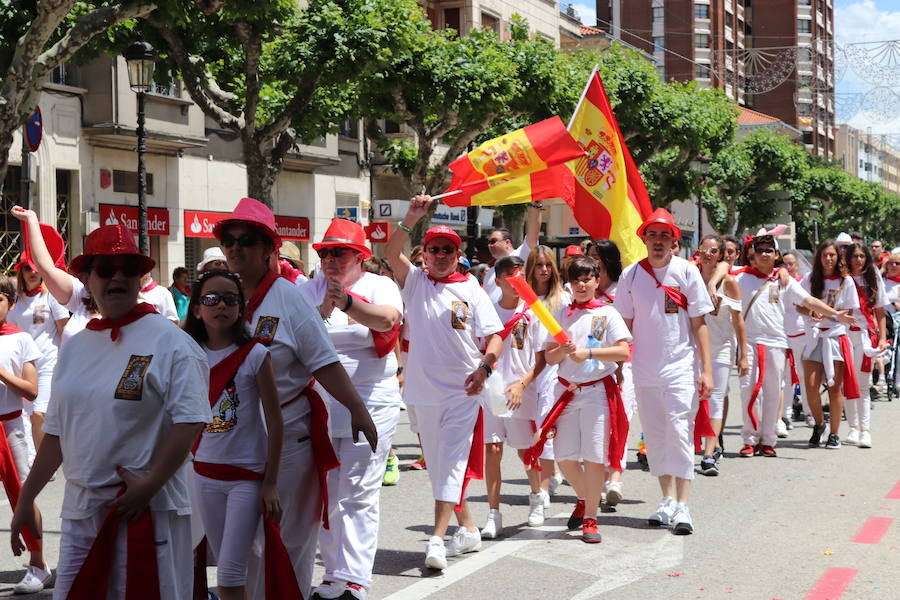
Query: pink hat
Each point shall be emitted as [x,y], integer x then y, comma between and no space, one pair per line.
[110,240]
[255,214]
[442,231]
[346,234]
[660,216]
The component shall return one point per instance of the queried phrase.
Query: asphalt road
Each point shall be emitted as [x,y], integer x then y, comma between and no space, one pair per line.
[811,524]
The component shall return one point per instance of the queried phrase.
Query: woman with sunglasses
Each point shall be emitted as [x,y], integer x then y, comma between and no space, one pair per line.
[362,313]
[302,354]
[828,354]
[129,399]
[891,275]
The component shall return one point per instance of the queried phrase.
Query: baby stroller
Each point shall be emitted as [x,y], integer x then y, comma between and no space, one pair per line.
[893,355]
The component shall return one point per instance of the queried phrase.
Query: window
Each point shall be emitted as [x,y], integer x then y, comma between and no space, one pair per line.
[350,129]
[452,19]
[701,40]
[63,204]
[391,126]
[490,22]
[661,71]
[702,71]
[658,14]
[701,11]
[127,182]
[807,139]
[64,74]
[804,26]
[659,44]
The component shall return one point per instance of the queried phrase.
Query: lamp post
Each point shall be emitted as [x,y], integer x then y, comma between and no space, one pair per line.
[141,60]
[701,166]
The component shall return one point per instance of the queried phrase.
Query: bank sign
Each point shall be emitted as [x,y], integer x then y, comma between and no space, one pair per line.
[116,214]
[200,224]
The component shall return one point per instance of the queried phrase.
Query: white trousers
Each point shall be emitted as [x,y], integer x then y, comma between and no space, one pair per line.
[17,439]
[230,511]
[174,556]
[769,397]
[859,410]
[721,373]
[667,412]
[446,432]
[797,344]
[348,547]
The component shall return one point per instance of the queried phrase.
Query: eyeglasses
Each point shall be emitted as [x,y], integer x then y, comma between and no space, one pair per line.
[893,263]
[128,268]
[229,298]
[417,263]
[245,240]
[441,250]
[764,250]
[335,251]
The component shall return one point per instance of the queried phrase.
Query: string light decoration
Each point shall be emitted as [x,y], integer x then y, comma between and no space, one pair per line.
[757,70]
[877,63]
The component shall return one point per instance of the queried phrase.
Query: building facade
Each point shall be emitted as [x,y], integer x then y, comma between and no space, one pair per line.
[869,157]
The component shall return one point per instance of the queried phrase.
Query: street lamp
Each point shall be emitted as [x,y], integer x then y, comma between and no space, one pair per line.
[701,166]
[141,60]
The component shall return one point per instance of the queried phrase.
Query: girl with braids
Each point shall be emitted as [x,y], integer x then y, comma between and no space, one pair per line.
[867,337]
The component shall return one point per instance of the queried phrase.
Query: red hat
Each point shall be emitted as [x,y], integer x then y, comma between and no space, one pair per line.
[56,246]
[573,250]
[345,234]
[110,240]
[255,214]
[442,231]
[663,217]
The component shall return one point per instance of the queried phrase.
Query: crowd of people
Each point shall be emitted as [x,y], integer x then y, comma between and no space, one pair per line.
[259,430]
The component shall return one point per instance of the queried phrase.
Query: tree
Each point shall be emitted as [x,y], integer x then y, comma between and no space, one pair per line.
[54,31]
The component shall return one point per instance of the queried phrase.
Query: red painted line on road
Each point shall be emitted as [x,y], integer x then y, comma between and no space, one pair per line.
[873,530]
[894,494]
[833,584]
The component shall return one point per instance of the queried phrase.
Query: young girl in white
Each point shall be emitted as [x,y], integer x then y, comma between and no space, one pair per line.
[236,461]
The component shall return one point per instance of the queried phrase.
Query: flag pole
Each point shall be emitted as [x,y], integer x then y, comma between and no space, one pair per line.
[583,94]
[445,194]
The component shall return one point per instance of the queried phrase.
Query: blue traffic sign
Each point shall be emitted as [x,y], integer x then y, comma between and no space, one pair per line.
[34,130]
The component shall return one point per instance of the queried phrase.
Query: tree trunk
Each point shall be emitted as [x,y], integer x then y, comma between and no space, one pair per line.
[6,140]
[261,173]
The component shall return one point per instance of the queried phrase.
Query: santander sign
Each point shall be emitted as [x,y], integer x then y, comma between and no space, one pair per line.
[201,223]
[115,214]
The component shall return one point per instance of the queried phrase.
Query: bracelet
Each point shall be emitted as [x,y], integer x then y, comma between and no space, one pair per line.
[349,303]
[405,228]
[487,369]
[539,204]
[399,370]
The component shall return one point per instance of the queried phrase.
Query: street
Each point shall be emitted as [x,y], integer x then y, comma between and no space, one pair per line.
[811,524]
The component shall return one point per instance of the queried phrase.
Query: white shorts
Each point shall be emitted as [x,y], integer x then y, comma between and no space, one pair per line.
[517,433]
[447,432]
[814,353]
[582,430]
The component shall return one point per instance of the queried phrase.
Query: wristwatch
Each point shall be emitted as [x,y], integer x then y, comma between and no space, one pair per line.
[487,369]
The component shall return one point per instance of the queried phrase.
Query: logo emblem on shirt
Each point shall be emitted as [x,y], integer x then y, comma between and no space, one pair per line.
[265,329]
[40,315]
[459,314]
[773,294]
[598,327]
[227,417]
[518,335]
[131,384]
[831,297]
[671,307]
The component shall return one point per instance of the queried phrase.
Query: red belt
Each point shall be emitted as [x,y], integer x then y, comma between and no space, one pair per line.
[279,571]
[475,464]
[11,483]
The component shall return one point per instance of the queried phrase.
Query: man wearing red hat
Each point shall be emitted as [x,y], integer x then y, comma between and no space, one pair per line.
[129,399]
[446,312]
[302,354]
[663,300]
[362,313]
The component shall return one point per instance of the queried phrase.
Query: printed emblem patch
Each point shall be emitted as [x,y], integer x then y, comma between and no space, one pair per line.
[459,314]
[226,418]
[131,384]
[671,307]
[773,293]
[518,334]
[598,327]
[831,297]
[265,329]
[39,315]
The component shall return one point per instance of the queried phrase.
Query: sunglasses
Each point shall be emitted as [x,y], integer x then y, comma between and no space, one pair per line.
[128,268]
[497,241]
[229,298]
[441,250]
[764,250]
[893,263]
[335,251]
[246,240]
[418,263]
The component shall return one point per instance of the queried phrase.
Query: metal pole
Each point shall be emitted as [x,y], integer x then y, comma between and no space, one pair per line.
[143,238]
[700,210]
[25,182]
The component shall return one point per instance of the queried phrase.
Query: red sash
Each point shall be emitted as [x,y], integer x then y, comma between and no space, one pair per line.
[511,323]
[279,572]
[149,287]
[404,346]
[795,379]
[385,341]
[676,296]
[455,277]
[141,571]
[8,472]
[594,303]
[618,421]
[475,465]
[259,294]
[141,309]
[851,383]
[760,376]
[871,328]
[702,425]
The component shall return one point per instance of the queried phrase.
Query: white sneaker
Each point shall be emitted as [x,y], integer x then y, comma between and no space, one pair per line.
[852,437]
[681,520]
[464,541]
[535,509]
[865,440]
[354,591]
[613,492]
[34,580]
[494,525]
[435,553]
[810,421]
[555,481]
[546,496]
[329,590]
[663,515]
[781,429]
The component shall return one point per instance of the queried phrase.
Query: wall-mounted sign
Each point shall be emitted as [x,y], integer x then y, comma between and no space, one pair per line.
[34,130]
[200,224]
[351,213]
[378,232]
[114,214]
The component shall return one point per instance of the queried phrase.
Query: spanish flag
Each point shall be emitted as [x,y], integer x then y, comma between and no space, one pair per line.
[515,167]
[610,199]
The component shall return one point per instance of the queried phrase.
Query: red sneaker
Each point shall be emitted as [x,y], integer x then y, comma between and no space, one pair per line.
[768,451]
[589,533]
[419,465]
[577,516]
[747,450]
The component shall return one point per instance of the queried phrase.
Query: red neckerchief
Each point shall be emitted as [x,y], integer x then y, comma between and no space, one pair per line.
[34,292]
[259,294]
[864,307]
[609,299]
[511,323]
[833,277]
[894,279]
[186,291]
[288,271]
[455,277]
[8,328]
[385,341]
[141,309]
[757,273]
[149,287]
[738,271]
[593,303]
[676,296]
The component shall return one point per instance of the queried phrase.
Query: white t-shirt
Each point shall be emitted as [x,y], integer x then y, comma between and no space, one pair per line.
[840,294]
[517,357]
[891,291]
[236,434]
[16,349]
[490,277]
[721,329]
[793,320]
[881,299]
[664,347]
[300,345]
[444,322]
[374,377]
[162,299]
[765,319]
[37,315]
[605,326]
[80,314]
[113,404]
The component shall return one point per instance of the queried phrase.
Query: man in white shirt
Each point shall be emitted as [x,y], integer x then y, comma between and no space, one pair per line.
[159,297]
[500,245]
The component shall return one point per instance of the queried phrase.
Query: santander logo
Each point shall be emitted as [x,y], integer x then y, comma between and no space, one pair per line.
[378,233]
[196,227]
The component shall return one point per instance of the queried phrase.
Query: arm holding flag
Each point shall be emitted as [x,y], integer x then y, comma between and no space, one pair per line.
[393,250]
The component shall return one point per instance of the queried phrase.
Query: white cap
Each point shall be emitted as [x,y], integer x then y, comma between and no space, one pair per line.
[843,239]
[209,255]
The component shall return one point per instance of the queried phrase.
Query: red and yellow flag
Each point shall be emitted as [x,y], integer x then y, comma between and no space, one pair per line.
[515,167]
[610,199]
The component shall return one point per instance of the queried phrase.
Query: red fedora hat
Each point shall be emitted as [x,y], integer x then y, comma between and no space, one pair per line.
[56,246]
[253,213]
[442,231]
[573,250]
[660,216]
[345,234]
[110,240]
